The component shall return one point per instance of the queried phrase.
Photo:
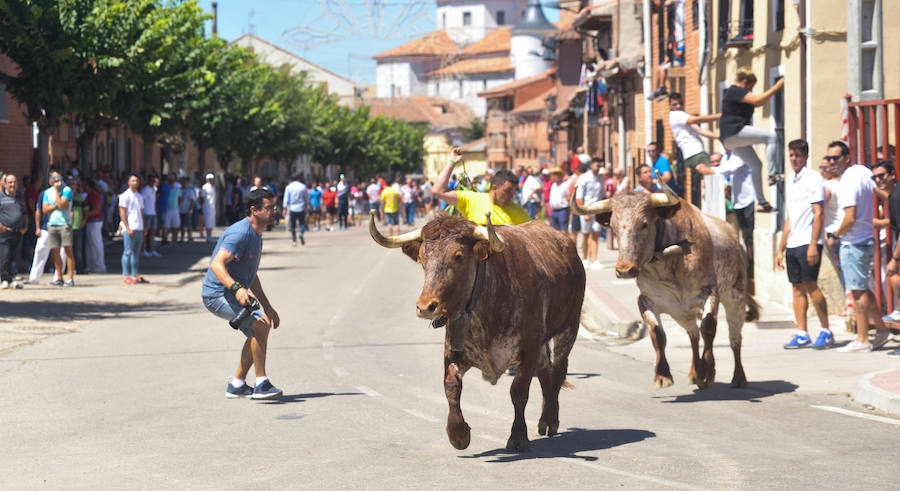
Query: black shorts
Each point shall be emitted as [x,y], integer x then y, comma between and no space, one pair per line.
[331,209]
[798,269]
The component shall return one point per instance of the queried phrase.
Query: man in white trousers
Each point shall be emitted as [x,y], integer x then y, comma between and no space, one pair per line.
[42,248]
[208,198]
[96,263]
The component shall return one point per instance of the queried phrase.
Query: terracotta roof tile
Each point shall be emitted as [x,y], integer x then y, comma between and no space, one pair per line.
[475,145]
[496,41]
[476,65]
[509,88]
[435,112]
[538,103]
[434,43]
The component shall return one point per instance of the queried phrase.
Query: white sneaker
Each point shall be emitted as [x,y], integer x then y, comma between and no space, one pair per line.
[156,254]
[145,254]
[596,265]
[855,347]
[4,285]
[586,263]
[892,317]
[16,285]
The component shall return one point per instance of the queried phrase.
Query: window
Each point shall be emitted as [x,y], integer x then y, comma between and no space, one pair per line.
[865,58]
[3,116]
[501,18]
[467,18]
[746,18]
[778,12]
[460,88]
[724,21]
[695,14]
[444,20]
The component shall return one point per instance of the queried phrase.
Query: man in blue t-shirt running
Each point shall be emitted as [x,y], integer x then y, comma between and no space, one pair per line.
[231,284]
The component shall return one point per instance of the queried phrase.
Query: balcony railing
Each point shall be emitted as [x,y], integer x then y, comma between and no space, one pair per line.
[736,34]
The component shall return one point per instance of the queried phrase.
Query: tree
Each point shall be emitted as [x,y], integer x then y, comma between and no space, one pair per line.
[163,72]
[474,131]
[32,36]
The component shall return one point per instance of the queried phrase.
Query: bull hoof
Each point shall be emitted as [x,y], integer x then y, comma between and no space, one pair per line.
[739,382]
[518,445]
[460,435]
[662,381]
[547,429]
[692,378]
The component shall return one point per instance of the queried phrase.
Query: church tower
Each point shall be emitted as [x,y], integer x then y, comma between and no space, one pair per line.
[467,21]
[526,47]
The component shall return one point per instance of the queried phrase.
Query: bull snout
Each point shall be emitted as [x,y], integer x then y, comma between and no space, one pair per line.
[626,270]
[429,308]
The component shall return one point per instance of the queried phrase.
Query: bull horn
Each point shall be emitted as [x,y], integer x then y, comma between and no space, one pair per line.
[663,200]
[391,242]
[489,234]
[602,206]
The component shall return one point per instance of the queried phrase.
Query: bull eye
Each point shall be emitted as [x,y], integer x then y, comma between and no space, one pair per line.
[458,256]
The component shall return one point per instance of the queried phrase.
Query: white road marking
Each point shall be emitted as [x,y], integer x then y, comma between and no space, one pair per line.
[422,415]
[367,391]
[328,350]
[340,372]
[871,417]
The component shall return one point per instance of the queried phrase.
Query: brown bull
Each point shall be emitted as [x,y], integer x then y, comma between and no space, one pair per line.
[685,262]
[504,295]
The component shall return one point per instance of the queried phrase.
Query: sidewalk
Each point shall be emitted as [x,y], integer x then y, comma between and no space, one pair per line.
[42,310]
[873,379]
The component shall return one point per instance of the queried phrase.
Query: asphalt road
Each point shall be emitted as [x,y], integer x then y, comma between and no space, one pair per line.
[136,400]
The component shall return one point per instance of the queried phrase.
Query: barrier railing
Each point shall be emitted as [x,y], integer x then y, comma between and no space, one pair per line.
[871,122]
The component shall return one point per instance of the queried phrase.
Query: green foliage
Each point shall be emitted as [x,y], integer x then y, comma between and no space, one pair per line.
[474,131]
[147,64]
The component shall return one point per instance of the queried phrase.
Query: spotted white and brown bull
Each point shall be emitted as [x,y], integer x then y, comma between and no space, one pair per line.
[506,295]
[685,263]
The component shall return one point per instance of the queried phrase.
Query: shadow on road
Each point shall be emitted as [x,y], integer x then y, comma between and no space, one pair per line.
[569,444]
[74,311]
[290,398]
[582,376]
[723,392]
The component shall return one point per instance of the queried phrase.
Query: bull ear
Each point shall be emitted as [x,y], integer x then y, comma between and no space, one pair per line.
[603,218]
[411,249]
[666,212]
[482,249]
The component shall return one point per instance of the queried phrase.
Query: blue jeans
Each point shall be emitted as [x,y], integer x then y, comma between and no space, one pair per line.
[410,213]
[131,256]
[559,219]
[533,208]
[856,264]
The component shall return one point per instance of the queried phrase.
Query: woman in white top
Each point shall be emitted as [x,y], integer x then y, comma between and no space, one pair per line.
[131,211]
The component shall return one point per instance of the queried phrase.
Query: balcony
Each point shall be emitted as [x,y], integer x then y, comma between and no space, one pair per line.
[736,34]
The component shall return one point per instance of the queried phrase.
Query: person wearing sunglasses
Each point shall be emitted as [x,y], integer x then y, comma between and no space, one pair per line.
[885,178]
[855,196]
[231,285]
[661,167]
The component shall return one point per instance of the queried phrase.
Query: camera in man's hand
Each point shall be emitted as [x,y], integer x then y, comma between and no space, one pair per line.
[245,312]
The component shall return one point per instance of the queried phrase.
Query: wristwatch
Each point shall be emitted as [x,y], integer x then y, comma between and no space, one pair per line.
[235,287]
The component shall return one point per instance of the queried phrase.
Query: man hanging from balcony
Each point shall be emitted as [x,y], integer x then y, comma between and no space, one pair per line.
[674,47]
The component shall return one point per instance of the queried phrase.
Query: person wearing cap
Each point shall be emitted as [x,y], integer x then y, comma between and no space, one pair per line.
[474,205]
[559,200]
[208,199]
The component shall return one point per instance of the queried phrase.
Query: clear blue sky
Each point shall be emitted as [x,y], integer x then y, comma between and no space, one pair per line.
[357,31]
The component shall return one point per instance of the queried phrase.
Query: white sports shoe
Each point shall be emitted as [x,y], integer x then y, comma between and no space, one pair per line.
[4,285]
[586,263]
[596,265]
[855,347]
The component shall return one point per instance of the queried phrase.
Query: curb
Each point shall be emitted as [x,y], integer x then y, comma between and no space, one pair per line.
[874,389]
[596,319]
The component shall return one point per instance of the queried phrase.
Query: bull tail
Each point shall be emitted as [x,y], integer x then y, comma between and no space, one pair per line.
[753,308]
[568,385]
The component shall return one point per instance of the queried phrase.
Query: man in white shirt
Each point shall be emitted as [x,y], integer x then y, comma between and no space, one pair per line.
[295,201]
[801,245]
[151,222]
[532,192]
[687,133]
[743,198]
[208,200]
[131,212]
[589,189]
[185,208]
[374,193]
[559,201]
[857,246]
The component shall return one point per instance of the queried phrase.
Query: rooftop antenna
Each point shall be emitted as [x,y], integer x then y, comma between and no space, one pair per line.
[251,27]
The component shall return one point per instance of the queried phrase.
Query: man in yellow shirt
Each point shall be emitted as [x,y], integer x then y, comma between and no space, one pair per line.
[474,205]
[390,207]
